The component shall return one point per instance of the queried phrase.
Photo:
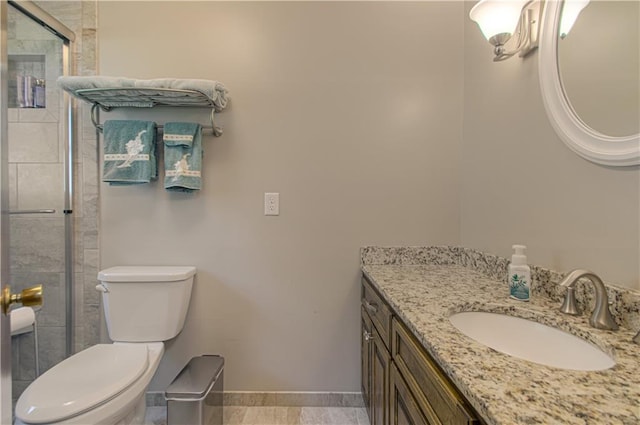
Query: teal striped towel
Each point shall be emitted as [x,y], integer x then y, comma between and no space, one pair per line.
[182,156]
[129,152]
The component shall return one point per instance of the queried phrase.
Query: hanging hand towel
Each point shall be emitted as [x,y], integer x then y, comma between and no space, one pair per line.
[182,156]
[129,152]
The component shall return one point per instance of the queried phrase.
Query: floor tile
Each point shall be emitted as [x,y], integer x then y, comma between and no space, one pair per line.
[233,415]
[343,415]
[156,416]
[278,415]
[260,415]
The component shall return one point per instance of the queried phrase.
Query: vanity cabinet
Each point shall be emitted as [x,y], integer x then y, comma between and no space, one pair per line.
[401,383]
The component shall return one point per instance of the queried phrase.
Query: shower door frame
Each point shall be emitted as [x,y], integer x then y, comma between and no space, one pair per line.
[5,329]
[67,37]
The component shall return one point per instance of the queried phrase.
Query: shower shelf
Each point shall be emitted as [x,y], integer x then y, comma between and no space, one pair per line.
[108,98]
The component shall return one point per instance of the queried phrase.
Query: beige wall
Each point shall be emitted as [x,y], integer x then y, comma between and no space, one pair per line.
[521,184]
[351,111]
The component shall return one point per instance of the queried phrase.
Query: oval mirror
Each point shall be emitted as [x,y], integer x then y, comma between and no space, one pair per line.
[582,111]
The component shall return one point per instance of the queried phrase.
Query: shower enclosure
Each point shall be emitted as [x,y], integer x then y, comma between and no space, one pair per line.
[40,165]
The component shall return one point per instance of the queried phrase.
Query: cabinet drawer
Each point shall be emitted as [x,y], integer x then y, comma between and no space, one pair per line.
[425,378]
[378,310]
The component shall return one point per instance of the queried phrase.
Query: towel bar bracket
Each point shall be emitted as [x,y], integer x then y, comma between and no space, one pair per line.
[94,116]
[217,131]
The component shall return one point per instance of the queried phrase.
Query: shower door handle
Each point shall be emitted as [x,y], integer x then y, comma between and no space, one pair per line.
[28,297]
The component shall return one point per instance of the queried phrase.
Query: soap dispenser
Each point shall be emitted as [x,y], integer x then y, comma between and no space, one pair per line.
[519,275]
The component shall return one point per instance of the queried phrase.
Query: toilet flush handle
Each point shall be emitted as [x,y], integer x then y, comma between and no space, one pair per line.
[100,287]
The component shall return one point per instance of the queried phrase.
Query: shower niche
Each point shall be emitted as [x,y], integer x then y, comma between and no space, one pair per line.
[27,82]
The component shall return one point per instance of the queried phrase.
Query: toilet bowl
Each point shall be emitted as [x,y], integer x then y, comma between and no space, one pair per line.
[106,383]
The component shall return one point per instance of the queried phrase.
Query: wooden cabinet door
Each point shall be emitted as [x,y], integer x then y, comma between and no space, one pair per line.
[378,310]
[379,381]
[427,381]
[404,409]
[366,341]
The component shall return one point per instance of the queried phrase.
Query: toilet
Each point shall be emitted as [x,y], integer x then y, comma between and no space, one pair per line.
[106,384]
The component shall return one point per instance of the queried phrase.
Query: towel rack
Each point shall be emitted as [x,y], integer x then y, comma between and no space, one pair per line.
[135,97]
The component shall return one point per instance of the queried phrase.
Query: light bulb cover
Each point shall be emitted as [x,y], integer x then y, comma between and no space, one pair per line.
[497,16]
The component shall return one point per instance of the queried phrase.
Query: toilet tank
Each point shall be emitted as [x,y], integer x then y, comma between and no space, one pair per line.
[145,303]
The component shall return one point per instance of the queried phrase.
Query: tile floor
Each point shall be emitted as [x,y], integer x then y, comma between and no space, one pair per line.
[277,415]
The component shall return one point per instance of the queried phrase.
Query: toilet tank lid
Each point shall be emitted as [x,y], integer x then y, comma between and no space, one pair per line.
[146,273]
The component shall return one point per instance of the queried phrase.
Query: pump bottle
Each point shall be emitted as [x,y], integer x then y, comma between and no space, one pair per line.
[519,275]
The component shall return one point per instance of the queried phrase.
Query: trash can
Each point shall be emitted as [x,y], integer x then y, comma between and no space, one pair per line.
[195,395]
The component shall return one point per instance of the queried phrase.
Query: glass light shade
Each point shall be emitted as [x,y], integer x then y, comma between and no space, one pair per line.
[497,16]
[570,11]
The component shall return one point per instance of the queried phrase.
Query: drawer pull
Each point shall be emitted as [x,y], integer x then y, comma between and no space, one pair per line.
[368,336]
[371,307]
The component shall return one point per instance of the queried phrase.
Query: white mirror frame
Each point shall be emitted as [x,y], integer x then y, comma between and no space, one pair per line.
[579,137]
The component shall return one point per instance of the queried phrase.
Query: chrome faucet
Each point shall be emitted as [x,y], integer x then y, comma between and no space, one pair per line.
[601,317]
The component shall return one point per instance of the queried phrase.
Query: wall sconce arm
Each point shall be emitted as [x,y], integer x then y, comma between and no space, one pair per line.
[526,37]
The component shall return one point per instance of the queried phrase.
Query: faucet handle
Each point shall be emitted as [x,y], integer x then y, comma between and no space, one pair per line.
[569,305]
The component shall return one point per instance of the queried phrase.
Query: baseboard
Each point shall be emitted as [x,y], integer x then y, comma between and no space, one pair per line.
[277,398]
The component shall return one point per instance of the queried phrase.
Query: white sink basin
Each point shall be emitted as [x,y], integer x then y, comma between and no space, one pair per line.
[531,341]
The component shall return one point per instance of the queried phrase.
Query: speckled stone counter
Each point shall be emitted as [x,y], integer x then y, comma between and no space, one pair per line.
[426,285]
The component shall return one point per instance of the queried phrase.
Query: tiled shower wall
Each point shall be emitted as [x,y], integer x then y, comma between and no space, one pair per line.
[36,146]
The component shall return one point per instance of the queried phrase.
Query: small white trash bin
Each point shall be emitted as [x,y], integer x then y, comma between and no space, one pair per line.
[195,395]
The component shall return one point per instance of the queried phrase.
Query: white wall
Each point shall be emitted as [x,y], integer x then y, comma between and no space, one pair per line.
[521,184]
[352,111]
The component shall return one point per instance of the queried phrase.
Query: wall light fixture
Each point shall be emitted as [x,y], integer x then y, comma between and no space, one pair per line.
[513,26]
[500,20]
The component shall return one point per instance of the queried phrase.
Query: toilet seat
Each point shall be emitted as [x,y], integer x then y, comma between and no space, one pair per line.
[91,377]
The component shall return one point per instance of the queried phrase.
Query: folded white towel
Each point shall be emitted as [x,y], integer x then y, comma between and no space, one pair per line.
[215,90]
[71,84]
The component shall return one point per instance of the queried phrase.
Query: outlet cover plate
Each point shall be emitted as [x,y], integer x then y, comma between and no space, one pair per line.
[271,203]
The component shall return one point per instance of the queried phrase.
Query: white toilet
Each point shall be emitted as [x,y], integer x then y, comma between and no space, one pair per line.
[106,383]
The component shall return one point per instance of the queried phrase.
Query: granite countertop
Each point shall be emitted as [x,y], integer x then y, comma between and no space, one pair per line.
[505,389]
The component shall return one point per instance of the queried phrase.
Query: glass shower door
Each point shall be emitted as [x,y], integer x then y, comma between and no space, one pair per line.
[39,185]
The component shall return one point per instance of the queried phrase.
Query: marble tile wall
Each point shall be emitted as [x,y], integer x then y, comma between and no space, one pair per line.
[36,146]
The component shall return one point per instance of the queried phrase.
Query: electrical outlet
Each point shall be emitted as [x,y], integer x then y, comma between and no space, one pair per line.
[271,204]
